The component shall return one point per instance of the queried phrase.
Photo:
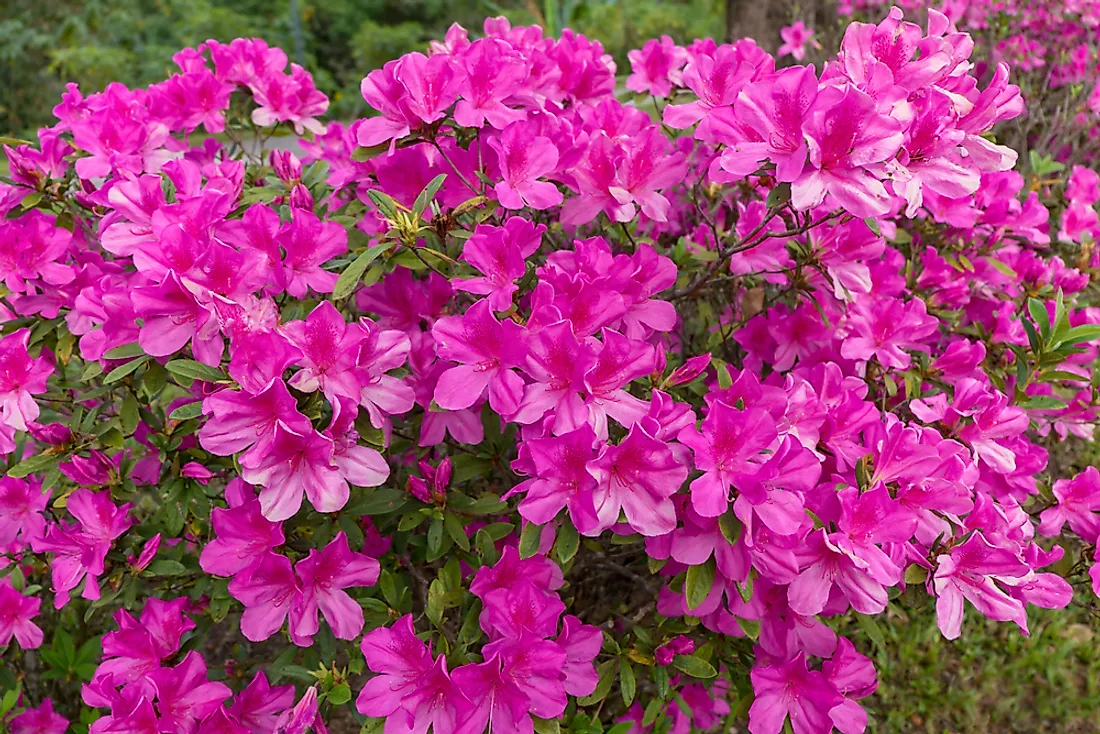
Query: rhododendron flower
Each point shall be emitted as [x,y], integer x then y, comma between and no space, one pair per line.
[324,576]
[505,691]
[411,689]
[487,351]
[243,537]
[21,378]
[82,547]
[637,477]
[185,696]
[500,253]
[970,571]
[16,615]
[21,506]
[296,464]
[789,689]
[39,720]
[795,38]
[524,158]
[258,706]
[491,73]
[656,67]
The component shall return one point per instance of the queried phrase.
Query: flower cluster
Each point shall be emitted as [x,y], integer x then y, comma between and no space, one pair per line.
[531,394]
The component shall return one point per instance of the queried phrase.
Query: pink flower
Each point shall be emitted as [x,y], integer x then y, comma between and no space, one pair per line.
[561,479]
[185,696]
[771,115]
[524,157]
[845,133]
[885,329]
[1078,503]
[239,421]
[21,506]
[970,571]
[500,253]
[82,547]
[137,648]
[795,37]
[258,706]
[296,464]
[638,476]
[506,690]
[324,576]
[329,347]
[269,591]
[789,689]
[39,720]
[656,67]
[309,244]
[487,351]
[729,438]
[243,537]
[491,73]
[411,689]
[16,615]
[21,378]
[715,77]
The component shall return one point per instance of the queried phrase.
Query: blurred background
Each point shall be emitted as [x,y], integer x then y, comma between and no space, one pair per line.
[991,680]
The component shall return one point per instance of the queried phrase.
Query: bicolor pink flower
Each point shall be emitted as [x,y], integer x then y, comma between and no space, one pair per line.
[17,613]
[296,464]
[487,351]
[638,477]
[524,157]
[324,575]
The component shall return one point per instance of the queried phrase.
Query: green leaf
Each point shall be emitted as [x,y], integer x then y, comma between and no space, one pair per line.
[916,574]
[693,666]
[606,672]
[167,567]
[122,370]
[193,370]
[91,371]
[10,699]
[187,412]
[627,683]
[872,224]
[697,585]
[779,196]
[1082,334]
[871,628]
[652,711]
[1039,315]
[128,414]
[485,548]
[546,726]
[529,540]
[386,205]
[425,197]
[567,542]
[435,535]
[353,273]
[33,465]
[454,528]
[379,501]
[1043,402]
[339,695]
[436,591]
[751,627]
[133,349]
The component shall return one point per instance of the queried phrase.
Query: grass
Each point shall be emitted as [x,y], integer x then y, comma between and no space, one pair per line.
[992,679]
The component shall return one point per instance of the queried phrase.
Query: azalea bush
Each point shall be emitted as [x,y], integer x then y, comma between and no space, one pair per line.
[532,402]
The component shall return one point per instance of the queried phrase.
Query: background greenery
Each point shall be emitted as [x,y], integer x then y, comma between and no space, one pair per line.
[991,680]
